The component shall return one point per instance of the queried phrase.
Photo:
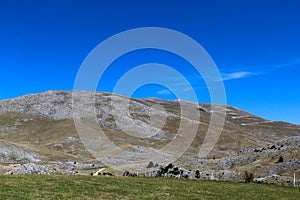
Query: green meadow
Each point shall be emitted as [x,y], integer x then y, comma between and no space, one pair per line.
[88,187]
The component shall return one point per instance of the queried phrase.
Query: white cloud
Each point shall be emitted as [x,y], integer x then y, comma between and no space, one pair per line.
[164,92]
[237,75]
[267,69]
[194,88]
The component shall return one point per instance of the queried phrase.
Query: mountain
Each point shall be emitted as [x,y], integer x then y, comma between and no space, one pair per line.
[40,129]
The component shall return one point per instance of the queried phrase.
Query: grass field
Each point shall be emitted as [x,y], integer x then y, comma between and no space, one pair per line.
[88,187]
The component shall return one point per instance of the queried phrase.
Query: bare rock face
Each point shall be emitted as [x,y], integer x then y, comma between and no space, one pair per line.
[10,153]
[52,104]
[40,128]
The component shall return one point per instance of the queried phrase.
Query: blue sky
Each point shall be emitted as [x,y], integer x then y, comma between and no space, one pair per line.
[255,44]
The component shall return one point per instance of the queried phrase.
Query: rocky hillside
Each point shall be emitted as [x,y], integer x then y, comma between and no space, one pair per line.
[40,129]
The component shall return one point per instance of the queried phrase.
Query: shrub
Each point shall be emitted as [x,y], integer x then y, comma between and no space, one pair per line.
[170,166]
[150,165]
[126,173]
[248,177]
[280,160]
[197,174]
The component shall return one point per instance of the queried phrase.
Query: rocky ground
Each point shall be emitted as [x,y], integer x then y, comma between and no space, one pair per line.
[38,135]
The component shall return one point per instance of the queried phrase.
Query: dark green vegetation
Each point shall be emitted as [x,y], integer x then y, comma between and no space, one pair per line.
[85,187]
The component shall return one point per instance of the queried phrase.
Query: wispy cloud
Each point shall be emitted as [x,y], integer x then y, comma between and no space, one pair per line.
[244,73]
[288,64]
[194,88]
[164,92]
[197,83]
[237,75]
